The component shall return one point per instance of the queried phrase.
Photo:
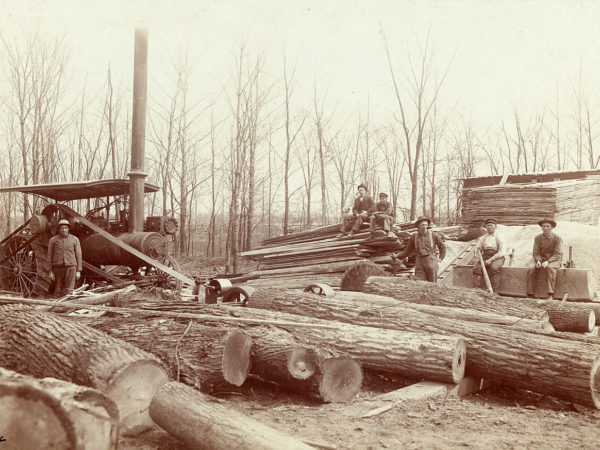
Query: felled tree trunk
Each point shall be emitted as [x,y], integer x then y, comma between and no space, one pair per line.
[50,413]
[275,356]
[539,362]
[192,353]
[567,318]
[201,423]
[43,344]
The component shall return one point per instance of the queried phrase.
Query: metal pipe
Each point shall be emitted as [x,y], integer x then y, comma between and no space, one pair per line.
[137,174]
[97,250]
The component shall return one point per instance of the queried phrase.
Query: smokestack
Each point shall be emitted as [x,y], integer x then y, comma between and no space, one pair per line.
[137,174]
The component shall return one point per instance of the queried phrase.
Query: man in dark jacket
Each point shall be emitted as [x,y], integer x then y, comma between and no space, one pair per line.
[383,214]
[429,248]
[64,259]
[547,256]
[363,204]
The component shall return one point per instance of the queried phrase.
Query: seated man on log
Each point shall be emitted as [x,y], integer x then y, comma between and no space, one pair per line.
[383,214]
[64,259]
[363,203]
[429,248]
[492,246]
[547,256]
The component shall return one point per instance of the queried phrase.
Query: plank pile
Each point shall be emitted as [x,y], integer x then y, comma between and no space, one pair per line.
[318,256]
[525,204]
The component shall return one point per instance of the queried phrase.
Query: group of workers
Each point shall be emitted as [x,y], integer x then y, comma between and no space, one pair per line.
[429,247]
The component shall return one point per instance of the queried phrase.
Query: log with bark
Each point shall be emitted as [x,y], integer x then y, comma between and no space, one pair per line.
[274,355]
[43,344]
[453,296]
[50,413]
[201,423]
[564,317]
[544,363]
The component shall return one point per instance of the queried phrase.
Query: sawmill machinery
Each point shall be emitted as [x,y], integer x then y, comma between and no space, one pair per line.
[110,251]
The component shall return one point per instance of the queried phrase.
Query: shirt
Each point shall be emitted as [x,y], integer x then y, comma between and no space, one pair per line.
[383,206]
[495,242]
[424,245]
[547,248]
[364,203]
[64,251]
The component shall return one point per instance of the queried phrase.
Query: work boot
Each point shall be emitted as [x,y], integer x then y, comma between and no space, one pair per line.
[351,234]
[340,235]
[477,281]
[550,296]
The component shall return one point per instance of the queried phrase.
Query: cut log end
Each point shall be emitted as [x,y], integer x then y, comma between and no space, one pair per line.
[302,363]
[355,276]
[341,379]
[591,322]
[132,390]
[237,358]
[459,361]
[595,382]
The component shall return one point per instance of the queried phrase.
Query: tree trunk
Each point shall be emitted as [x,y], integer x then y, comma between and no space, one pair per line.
[433,294]
[51,413]
[566,318]
[275,356]
[544,363]
[191,352]
[201,423]
[45,345]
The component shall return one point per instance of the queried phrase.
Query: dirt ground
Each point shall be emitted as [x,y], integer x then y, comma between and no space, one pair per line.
[494,419]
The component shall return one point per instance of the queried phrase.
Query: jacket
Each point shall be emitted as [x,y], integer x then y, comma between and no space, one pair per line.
[429,242]
[364,203]
[64,251]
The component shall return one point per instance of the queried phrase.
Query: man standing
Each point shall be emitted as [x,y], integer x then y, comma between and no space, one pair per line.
[363,203]
[64,259]
[493,249]
[547,256]
[426,244]
[382,214]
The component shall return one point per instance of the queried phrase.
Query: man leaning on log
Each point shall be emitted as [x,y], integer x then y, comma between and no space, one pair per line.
[363,204]
[493,250]
[547,256]
[429,248]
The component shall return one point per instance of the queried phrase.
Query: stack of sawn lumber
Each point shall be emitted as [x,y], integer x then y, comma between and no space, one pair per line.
[525,204]
[319,256]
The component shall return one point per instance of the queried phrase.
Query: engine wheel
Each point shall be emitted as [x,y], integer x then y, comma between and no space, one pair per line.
[163,279]
[19,272]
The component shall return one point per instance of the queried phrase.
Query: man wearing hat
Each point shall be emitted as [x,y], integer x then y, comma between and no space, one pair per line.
[363,205]
[547,256]
[426,244]
[383,214]
[64,259]
[493,249]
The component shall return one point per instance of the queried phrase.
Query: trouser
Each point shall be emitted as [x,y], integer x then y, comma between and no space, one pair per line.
[383,219]
[426,268]
[65,280]
[493,270]
[532,274]
[358,221]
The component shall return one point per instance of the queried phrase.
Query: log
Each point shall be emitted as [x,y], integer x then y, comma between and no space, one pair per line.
[412,354]
[201,423]
[191,352]
[51,413]
[355,276]
[275,356]
[544,363]
[43,344]
[467,315]
[567,318]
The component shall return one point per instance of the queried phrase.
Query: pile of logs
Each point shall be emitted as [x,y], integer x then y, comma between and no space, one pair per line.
[524,204]
[297,259]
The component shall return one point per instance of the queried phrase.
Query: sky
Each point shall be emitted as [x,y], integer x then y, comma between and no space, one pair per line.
[501,55]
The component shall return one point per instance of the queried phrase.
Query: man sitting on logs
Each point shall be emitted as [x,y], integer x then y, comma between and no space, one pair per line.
[493,250]
[547,256]
[382,215]
[429,248]
[363,204]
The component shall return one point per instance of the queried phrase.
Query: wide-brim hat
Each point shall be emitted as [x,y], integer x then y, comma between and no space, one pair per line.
[64,222]
[362,185]
[550,221]
[491,220]
[422,219]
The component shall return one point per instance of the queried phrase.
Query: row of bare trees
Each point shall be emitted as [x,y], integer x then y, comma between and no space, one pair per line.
[267,154]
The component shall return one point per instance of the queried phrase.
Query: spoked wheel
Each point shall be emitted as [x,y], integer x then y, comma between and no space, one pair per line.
[163,279]
[18,273]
